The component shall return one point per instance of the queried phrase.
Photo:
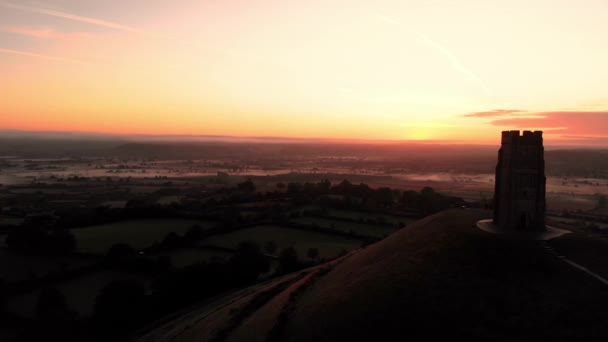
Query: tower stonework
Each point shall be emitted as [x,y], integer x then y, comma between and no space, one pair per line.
[519,189]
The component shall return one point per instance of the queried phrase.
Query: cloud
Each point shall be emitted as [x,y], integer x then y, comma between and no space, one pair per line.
[494,113]
[454,61]
[70,16]
[567,123]
[42,32]
[37,55]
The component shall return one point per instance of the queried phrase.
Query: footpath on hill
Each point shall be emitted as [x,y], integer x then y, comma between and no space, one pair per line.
[439,278]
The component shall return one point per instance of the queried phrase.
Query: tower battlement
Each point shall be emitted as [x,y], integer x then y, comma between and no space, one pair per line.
[527,138]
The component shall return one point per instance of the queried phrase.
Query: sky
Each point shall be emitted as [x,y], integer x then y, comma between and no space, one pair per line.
[453,71]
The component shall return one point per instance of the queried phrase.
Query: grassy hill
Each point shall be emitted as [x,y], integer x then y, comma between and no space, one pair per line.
[439,278]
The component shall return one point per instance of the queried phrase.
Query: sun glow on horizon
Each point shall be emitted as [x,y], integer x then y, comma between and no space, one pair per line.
[386,69]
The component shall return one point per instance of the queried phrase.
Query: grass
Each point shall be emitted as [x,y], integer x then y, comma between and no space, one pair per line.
[183,257]
[443,278]
[390,219]
[11,221]
[592,252]
[329,246]
[358,228]
[137,233]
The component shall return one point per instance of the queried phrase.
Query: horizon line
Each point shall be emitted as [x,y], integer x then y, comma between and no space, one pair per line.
[10,133]
[15,133]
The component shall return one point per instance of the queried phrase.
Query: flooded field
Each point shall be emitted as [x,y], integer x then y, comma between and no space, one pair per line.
[562,192]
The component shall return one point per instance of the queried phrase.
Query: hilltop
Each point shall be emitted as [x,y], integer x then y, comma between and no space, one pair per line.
[440,277]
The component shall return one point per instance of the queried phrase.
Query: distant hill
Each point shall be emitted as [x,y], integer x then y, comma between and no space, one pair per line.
[439,278]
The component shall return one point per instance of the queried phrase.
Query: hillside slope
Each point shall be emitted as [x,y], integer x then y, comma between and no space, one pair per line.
[440,277]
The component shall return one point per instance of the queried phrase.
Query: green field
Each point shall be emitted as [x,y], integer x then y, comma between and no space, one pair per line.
[329,245]
[80,293]
[11,221]
[137,233]
[356,215]
[347,227]
[183,257]
[17,267]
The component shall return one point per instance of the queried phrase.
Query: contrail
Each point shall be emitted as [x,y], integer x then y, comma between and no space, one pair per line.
[454,61]
[74,17]
[37,55]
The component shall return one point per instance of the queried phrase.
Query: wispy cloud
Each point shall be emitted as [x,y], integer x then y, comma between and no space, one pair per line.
[454,61]
[495,113]
[37,55]
[70,16]
[573,123]
[456,64]
[42,32]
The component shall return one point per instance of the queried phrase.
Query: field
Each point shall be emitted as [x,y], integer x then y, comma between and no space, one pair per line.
[137,233]
[329,246]
[347,227]
[391,219]
[16,267]
[183,257]
[80,293]
[10,221]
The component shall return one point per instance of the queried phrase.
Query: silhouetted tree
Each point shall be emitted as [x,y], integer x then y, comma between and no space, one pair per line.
[51,302]
[2,294]
[602,201]
[270,247]
[62,242]
[120,251]
[384,197]
[288,260]
[249,262]
[313,253]
[171,240]
[38,240]
[119,307]
[194,233]
[247,186]
[54,321]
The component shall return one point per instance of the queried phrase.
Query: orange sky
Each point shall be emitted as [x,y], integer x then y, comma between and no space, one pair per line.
[383,69]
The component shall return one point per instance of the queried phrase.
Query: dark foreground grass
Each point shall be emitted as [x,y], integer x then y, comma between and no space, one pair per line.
[444,278]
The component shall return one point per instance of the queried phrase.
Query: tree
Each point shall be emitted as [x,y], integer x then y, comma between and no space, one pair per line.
[119,252]
[171,240]
[2,294]
[249,262]
[62,242]
[119,306]
[38,240]
[270,247]
[194,233]
[384,197]
[247,186]
[288,260]
[51,302]
[602,201]
[427,191]
[313,253]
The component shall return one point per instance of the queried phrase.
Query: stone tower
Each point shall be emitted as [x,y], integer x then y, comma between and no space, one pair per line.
[519,189]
